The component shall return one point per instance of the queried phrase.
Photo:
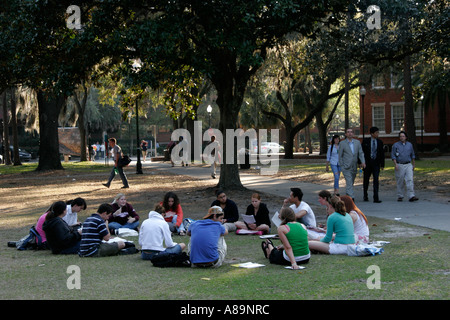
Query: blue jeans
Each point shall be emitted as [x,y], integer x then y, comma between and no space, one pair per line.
[172,224]
[336,169]
[149,254]
[116,225]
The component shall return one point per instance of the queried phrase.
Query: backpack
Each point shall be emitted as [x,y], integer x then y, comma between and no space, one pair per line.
[187,222]
[165,260]
[32,241]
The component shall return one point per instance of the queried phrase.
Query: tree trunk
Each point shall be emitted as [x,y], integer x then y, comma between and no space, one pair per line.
[15,135]
[49,108]
[6,153]
[81,108]
[229,99]
[290,135]
[322,128]
[409,104]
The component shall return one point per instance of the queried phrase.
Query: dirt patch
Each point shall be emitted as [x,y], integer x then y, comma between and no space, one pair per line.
[396,231]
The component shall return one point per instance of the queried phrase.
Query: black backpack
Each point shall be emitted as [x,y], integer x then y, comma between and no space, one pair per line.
[171,260]
[32,241]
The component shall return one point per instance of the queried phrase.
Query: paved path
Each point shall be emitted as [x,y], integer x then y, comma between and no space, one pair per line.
[430,211]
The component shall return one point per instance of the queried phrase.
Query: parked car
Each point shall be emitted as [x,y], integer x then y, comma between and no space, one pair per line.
[271,147]
[23,155]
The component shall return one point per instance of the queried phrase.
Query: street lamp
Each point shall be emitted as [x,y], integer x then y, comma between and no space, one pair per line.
[209,109]
[136,67]
[138,149]
[362,92]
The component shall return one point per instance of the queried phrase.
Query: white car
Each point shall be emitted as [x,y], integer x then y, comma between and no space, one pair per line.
[271,147]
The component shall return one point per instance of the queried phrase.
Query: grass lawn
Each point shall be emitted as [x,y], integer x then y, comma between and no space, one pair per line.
[414,266]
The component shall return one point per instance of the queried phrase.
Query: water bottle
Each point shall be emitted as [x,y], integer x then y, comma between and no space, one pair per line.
[116,171]
[360,172]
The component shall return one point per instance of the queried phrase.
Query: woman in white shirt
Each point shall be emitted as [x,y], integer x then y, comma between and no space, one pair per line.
[333,161]
[360,223]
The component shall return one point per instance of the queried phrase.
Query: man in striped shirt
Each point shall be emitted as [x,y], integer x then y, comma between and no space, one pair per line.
[95,230]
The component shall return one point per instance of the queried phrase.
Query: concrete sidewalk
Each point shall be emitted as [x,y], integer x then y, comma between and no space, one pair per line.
[430,211]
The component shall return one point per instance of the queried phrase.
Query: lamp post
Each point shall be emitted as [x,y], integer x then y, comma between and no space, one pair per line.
[136,67]
[421,123]
[209,109]
[362,92]
[138,142]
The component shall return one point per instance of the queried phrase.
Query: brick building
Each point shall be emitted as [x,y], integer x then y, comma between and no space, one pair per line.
[383,106]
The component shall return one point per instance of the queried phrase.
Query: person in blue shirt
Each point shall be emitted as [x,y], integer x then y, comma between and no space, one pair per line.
[404,160]
[207,247]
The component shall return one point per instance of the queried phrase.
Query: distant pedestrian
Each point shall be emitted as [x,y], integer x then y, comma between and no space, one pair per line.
[144,147]
[349,152]
[333,161]
[404,160]
[374,156]
[117,155]
[102,150]
[214,157]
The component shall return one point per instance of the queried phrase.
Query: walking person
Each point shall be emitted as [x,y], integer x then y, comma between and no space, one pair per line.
[117,155]
[144,147]
[350,151]
[214,156]
[404,160]
[374,156]
[333,161]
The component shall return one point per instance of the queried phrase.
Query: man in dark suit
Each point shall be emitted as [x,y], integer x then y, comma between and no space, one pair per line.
[374,156]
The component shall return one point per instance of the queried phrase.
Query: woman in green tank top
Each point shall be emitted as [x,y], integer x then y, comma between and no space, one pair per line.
[294,237]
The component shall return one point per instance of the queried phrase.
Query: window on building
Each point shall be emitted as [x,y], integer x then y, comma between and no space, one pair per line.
[378,81]
[398,117]
[396,80]
[418,116]
[378,117]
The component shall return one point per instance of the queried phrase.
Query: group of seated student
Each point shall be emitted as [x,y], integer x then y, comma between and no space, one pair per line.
[346,224]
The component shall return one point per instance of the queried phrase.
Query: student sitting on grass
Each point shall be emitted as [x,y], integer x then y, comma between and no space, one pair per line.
[123,216]
[360,223]
[95,229]
[73,208]
[207,247]
[261,213]
[294,237]
[154,233]
[340,223]
[61,237]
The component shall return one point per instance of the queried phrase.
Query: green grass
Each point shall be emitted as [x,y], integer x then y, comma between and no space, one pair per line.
[75,167]
[412,267]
